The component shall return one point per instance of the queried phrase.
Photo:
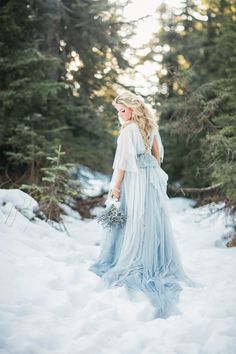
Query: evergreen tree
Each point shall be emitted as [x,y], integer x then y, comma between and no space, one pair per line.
[54,188]
[178,43]
[215,98]
[28,95]
[91,35]
[202,101]
[59,63]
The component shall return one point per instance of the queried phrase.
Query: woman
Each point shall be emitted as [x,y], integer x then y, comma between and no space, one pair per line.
[143,254]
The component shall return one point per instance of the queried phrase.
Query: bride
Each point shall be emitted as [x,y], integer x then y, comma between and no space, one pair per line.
[143,255]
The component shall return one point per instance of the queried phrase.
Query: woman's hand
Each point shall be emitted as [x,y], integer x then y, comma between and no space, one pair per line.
[114,193]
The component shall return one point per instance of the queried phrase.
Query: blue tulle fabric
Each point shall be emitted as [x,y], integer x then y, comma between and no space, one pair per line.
[143,256]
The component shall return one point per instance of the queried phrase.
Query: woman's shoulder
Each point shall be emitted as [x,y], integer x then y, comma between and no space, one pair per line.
[129,131]
[130,127]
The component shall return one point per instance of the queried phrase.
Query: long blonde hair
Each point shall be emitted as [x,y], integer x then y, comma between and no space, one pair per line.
[142,115]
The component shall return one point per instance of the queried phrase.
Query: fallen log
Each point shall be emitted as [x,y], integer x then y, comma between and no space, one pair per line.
[83,206]
[187,192]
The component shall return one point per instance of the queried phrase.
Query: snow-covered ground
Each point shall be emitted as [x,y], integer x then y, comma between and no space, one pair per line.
[92,183]
[51,303]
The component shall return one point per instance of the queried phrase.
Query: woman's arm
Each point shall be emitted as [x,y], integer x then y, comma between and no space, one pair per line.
[117,183]
[125,157]
[119,178]
[155,151]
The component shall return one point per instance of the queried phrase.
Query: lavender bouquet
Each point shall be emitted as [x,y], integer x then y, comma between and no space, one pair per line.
[113,215]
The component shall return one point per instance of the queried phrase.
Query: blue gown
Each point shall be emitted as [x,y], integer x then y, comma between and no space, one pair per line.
[143,255]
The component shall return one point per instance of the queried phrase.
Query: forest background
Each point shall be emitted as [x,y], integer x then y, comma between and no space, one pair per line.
[62,63]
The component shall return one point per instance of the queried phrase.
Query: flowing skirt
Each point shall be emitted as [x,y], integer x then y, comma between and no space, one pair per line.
[143,255]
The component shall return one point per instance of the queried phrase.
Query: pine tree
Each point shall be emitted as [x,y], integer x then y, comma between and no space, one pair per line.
[91,35]
[178,43]
[198,94]
[206,114]
[28,96]
[59,64]
[217,98]
[54,187]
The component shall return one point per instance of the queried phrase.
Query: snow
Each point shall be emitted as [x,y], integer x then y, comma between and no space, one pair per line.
[92,183]
[51,303]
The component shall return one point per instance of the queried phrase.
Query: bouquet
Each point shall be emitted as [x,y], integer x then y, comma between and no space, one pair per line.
[113,215]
